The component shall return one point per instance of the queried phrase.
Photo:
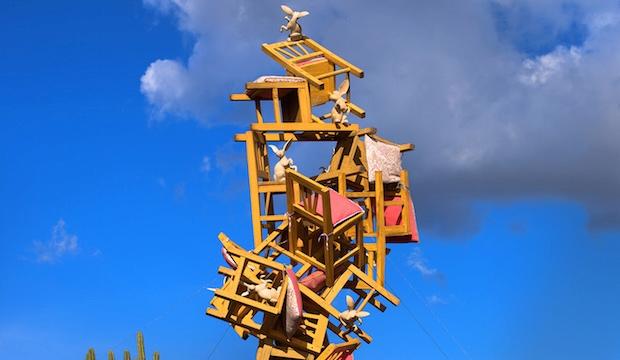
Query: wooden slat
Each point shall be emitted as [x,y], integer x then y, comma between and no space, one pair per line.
[239,97]
[334,73]
[284,52]
[334,58]
[296,52]
[309,56]
[294,69]
[304,127]
[273,217]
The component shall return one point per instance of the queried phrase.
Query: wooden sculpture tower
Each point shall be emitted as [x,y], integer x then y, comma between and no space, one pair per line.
[319,240]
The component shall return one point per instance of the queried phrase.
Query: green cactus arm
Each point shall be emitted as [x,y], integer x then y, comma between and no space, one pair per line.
[141,352]
[90,355]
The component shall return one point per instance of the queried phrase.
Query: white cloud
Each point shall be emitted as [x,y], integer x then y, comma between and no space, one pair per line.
[487,125]
[417,261]
[539,70]
[205,167]
[435,300]
[60,244]
[165,85]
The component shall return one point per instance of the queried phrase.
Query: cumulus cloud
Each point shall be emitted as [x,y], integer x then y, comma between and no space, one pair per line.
[504,99]
[417,261]
[60,244]
[166,84]
[539,70]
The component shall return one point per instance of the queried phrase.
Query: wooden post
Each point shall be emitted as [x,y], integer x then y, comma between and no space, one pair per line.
[250,146]
[380,221]
[277,109]
[259,113]
[361,251]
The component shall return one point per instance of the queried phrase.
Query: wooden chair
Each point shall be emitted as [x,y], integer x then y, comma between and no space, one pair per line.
[363,289]
[251,269]
[311,205]
[339,351]
[319,66]
[289,95]
[348,172]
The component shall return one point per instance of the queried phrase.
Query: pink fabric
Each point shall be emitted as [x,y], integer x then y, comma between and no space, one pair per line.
[310,61]
[346,356]
[342,208]
[229,260]
[314,281]
[393,216]
[294,305]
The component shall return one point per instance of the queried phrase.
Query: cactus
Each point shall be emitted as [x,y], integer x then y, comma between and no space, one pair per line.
[140,341]
[90,355]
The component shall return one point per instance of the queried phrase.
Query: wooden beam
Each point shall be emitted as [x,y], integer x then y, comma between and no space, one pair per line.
[334,58]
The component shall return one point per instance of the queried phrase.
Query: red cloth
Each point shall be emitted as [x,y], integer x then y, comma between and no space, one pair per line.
[314,281]
[346,356]
[342,208]
[393,216]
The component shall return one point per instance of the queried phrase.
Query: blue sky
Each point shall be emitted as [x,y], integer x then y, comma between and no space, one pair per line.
[118,170]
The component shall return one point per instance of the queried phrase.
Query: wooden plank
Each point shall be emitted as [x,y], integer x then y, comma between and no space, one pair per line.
[309,136]
[319,301]
[309,56]
[239,97]
[271,237]
[253,184]
[334,73]
[274,85]
[272,217]
[271,187]
[258,111]
[326,127]
[293,68]
[334,58]
[380,223]
[285,52]
[296,52]
[277,110]
[380,289]
[357,111]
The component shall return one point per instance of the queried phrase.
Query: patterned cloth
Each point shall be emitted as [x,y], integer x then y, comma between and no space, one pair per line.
[383,157]
[278,78]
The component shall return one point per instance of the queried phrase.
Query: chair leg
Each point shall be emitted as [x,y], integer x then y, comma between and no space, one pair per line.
[329,260]
[359,238]
[292,237]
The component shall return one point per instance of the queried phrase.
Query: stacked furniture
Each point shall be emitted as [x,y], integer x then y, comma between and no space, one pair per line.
[319,241]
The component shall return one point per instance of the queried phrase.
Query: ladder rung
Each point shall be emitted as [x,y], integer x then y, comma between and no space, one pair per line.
[333,73]
[307,56]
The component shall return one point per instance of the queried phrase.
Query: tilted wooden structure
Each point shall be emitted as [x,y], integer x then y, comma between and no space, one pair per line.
[316,238]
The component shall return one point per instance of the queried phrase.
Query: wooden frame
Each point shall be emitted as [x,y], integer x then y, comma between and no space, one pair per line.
[303,196]
[304,237]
